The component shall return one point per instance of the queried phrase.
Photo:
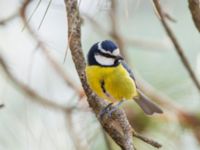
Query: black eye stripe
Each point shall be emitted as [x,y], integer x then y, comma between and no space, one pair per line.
[106,55]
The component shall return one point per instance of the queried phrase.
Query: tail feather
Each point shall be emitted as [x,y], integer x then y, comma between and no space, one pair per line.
[147,105]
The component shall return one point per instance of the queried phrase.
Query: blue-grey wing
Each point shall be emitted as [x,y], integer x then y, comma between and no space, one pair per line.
[125,65]
[143,101]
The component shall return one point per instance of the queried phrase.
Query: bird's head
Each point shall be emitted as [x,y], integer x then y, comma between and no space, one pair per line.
[105,53]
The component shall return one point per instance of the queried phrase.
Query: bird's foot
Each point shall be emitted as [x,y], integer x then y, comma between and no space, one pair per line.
[109,109]
[105,111]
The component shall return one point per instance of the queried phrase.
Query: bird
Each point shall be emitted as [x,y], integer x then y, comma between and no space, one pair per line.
[109,76]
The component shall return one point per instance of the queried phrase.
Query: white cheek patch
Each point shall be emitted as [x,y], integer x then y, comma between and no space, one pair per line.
[104,60]
[116,52]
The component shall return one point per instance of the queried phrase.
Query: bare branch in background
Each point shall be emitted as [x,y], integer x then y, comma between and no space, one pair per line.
[192,121]
[165,14]
[114,29]
[35,97]
[177,46]
[134,42]
[194,6]
[147,140]
[9,18]
[78,144]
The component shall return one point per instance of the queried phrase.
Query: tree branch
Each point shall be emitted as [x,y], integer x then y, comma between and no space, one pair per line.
[147,140]
[116,126]
[177,46]
[8,19]
[35,97]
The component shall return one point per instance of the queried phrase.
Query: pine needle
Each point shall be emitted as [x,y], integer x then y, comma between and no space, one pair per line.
[34,10]
[44,14]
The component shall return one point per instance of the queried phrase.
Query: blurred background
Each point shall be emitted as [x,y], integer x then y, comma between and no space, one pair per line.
[25,125]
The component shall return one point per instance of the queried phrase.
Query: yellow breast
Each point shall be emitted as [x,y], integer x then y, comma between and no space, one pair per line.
[117,82]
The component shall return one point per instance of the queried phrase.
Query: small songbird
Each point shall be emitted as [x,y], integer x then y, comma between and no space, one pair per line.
[110,78]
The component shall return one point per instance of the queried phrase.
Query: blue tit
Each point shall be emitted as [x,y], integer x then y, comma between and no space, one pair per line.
[110,78]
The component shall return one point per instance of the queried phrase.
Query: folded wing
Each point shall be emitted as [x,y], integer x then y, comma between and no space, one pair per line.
[142,100]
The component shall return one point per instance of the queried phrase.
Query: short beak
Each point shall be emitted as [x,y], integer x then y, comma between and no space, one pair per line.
[119,57]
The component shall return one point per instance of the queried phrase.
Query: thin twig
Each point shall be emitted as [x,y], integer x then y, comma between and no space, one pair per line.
[194,6]
[45,13]
[165,14]
[78,144]
[177,46]
[33,12]
[8,19]
[147,140]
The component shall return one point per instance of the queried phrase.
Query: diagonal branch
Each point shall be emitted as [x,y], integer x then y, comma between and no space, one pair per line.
[177,46]
[165,14]
[8,19]
[147,140]
[35,97]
